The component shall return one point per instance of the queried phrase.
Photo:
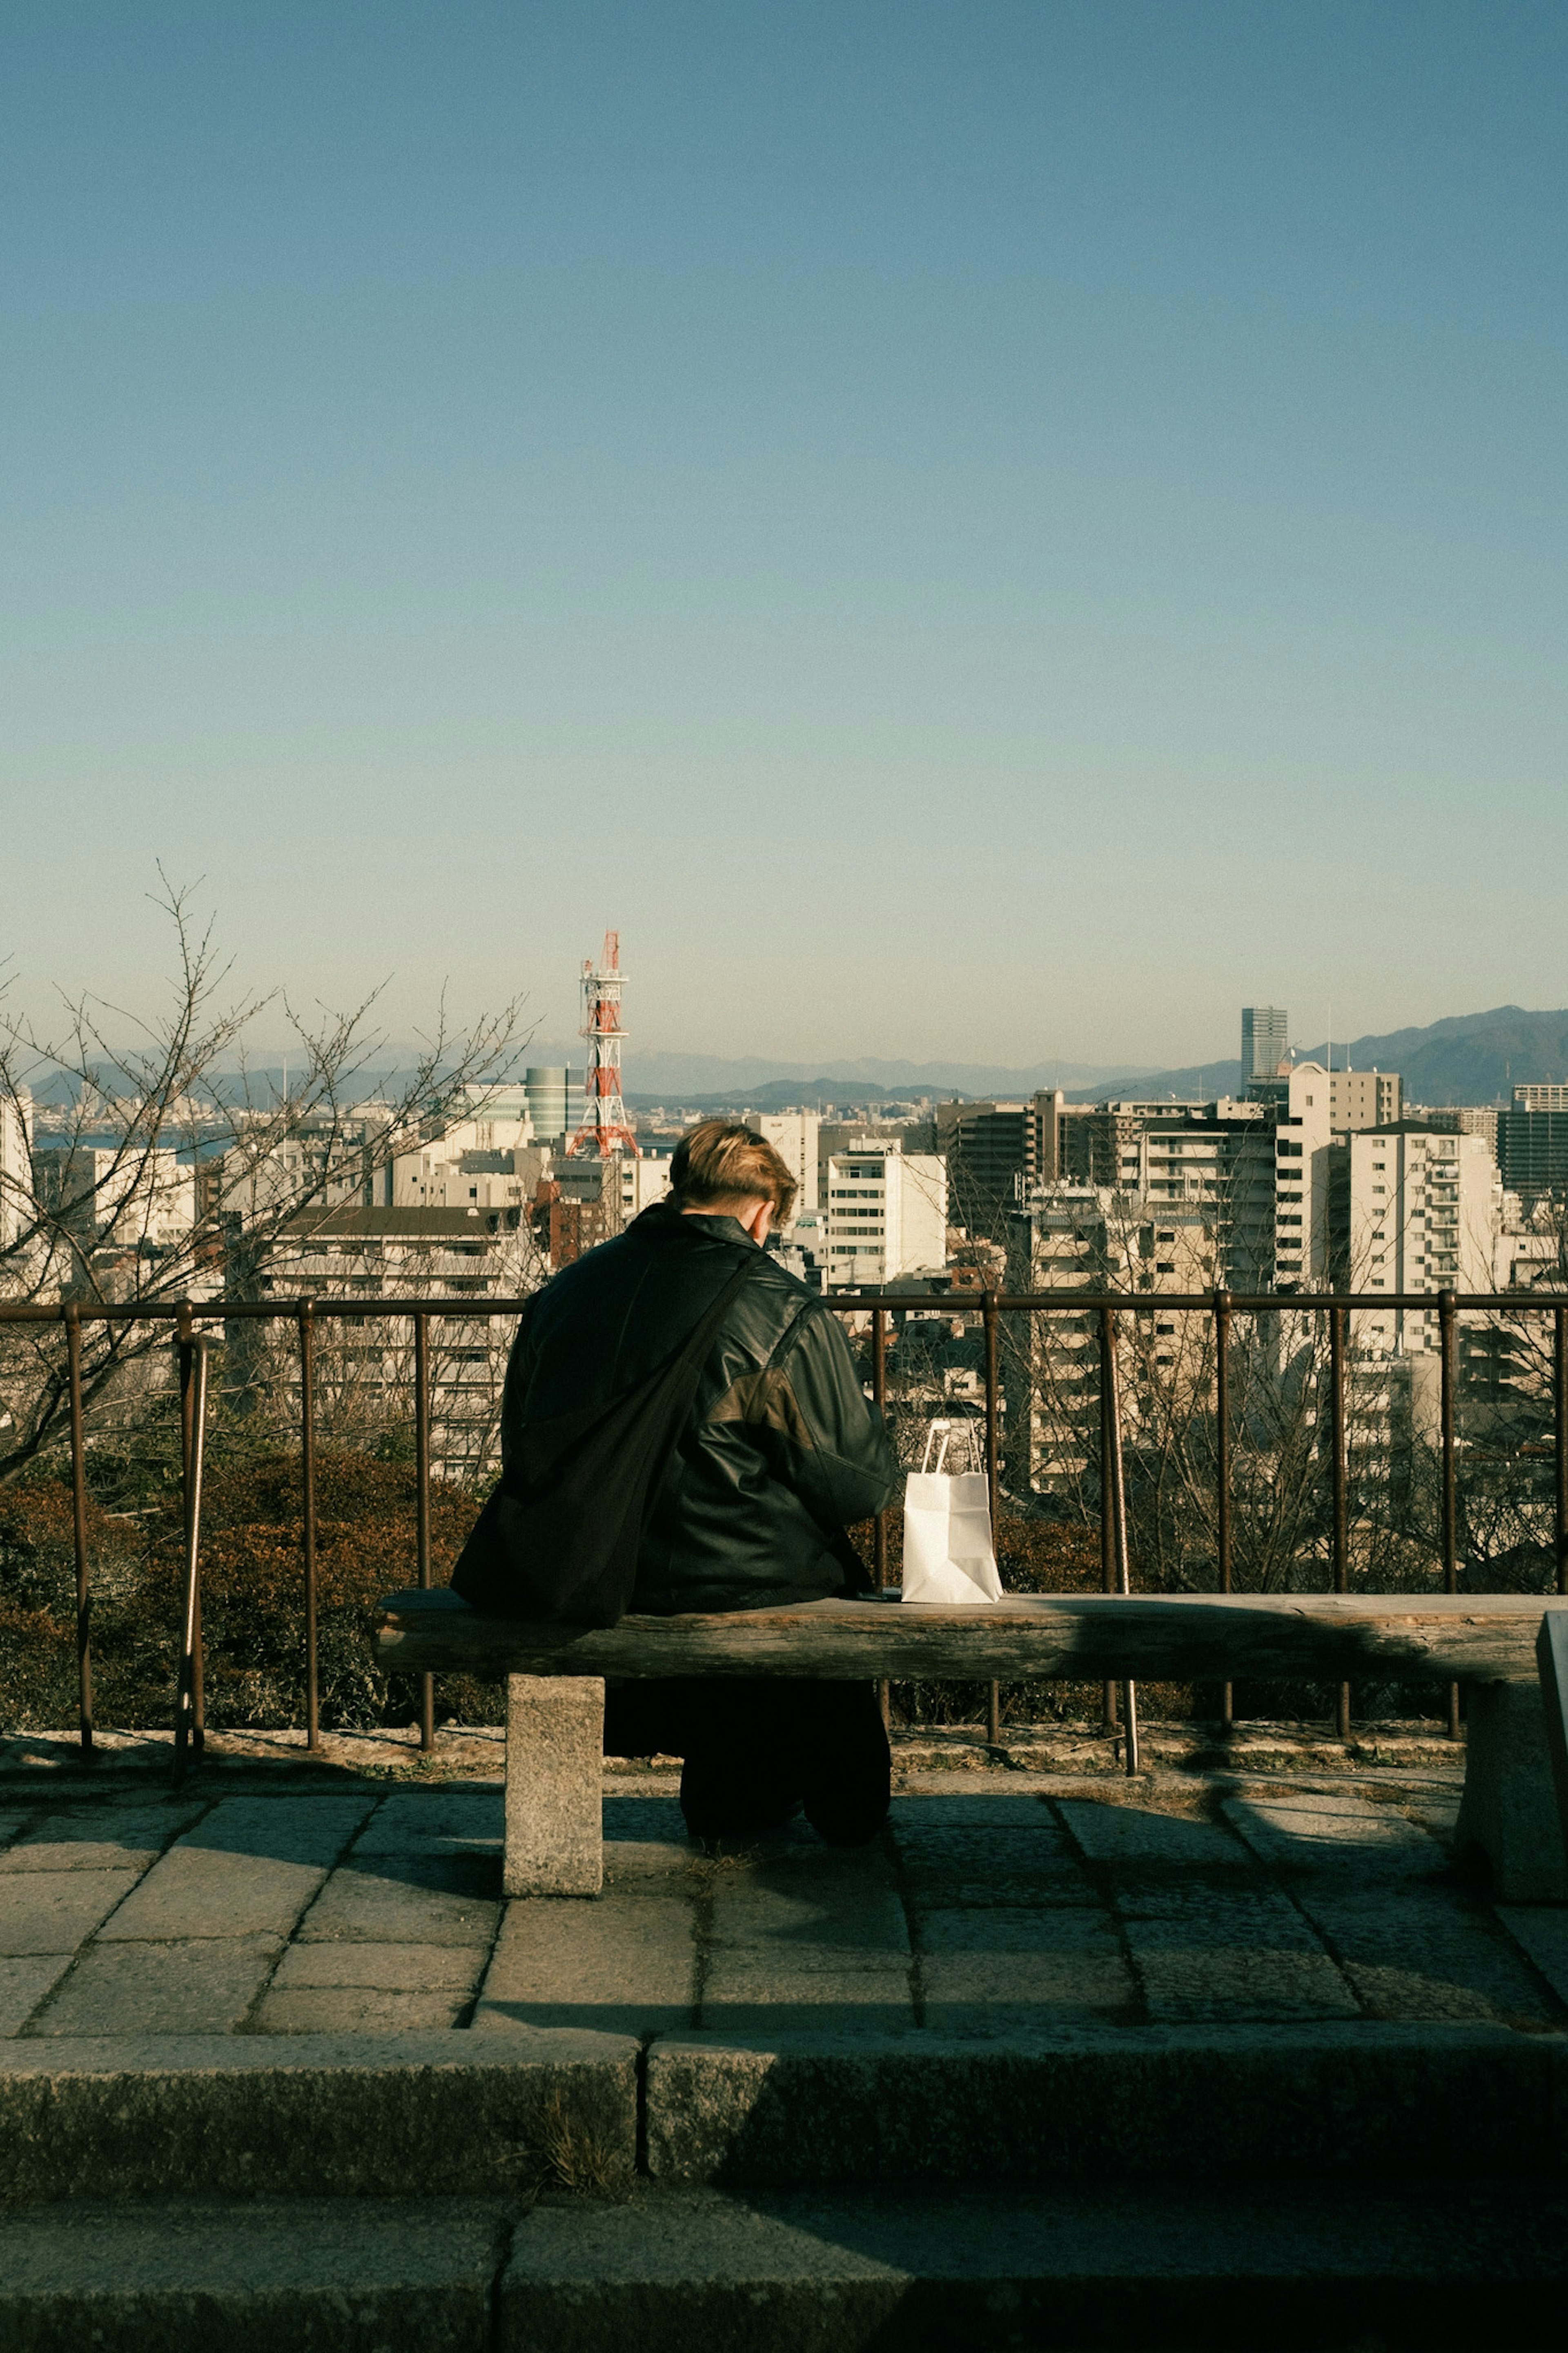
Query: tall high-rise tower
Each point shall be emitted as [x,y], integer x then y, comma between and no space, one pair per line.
[1265,1041]
[604,1127]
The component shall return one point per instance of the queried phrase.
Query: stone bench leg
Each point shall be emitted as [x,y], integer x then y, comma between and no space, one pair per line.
[1510,1807]
[554,1776]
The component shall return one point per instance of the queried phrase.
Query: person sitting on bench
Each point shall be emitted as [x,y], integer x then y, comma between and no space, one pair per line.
[780,1454]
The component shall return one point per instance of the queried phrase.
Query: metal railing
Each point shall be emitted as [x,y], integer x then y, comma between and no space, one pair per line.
[188,1319]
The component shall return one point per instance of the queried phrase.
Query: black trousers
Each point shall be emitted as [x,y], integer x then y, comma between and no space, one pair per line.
[757,1749]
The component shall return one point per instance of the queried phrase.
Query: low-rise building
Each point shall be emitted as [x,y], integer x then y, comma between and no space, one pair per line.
[483,1163]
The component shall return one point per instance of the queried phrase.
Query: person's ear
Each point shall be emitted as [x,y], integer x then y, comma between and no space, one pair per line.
[758,1222]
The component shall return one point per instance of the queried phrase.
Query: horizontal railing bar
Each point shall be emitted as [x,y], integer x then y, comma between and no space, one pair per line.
[1049,1302]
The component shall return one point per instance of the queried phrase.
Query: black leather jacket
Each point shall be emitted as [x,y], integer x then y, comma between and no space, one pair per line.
[782,1451]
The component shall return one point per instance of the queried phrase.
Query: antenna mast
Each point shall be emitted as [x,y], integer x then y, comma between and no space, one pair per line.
[605,1128]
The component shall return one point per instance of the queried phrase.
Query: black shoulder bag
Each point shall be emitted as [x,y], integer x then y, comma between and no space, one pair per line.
[559,1537]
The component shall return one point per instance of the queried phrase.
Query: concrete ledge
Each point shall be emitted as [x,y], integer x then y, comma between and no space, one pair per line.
[1408,2265]
[303,2116]
[356,2276]
[1248,2102]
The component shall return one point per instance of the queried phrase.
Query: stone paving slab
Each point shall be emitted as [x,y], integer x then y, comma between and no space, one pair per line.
[1342,1834]
[249,1867]
[24,1979]
[53,1911]
[434,1822]
[205,1986]
[1411,1958]
[981,1851]
[358,2010]
[420,1899]
[1022,1972]
[756,1997]
[389,1968]
[1134,1836]
[1247,1963]
[1196,1900]
[626,1963]
[198,1891]
[101,1837]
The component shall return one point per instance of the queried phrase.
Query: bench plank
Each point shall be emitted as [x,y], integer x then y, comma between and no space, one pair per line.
[1088,1637]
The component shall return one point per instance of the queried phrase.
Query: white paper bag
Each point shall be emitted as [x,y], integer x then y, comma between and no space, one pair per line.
[948,1552]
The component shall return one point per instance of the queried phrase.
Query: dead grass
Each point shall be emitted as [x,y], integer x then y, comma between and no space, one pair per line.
[575,2154]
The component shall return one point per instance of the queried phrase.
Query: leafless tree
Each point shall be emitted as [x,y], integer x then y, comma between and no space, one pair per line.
[124,1210]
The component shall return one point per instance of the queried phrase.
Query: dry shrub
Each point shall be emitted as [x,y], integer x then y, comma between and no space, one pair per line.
[253,1598]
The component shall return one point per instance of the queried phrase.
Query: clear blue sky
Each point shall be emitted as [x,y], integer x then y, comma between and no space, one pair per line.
[983,530]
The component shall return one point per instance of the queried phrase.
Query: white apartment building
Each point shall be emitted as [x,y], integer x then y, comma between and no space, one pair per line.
[328,1161]
[483,1163]
[1425,1213]
[794,1136]
[886,1215]
[1364,1099]
[16,1166]
[130,1200]
[1259,1168]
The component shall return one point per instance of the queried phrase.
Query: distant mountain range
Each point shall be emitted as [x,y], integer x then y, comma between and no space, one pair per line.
[1471,1058]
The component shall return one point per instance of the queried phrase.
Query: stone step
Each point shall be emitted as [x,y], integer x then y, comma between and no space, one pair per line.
[478,2112]
[309,2115]
[1246,2102]
[1415,2265]
[334,2275]
[1400,2264]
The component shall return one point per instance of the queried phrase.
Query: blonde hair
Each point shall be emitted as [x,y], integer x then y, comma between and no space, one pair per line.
[721,1161]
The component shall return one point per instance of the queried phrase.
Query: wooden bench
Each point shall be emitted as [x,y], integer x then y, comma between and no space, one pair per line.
[556,1694]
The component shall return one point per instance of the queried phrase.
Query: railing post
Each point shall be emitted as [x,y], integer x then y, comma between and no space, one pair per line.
[1559,1417]
[422,1505]
[1448,1341]
[1107,1497]
[880,1525]
[1337,1320]
[1222,1468]
[992,1418]
[1110,1391]
[307,1320]
[189,1726]
[79,1529]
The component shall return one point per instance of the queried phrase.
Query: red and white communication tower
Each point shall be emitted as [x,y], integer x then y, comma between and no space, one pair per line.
[605,1128]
